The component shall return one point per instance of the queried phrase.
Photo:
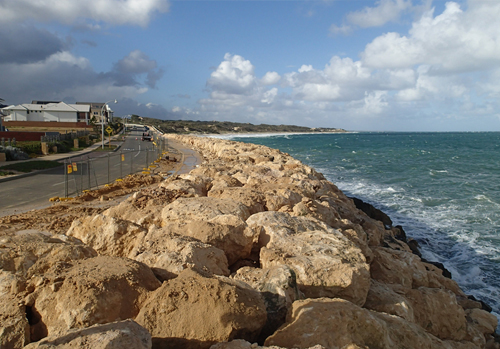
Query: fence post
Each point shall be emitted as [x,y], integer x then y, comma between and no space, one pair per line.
[81,174]
[65,178]
[121,163]
[109,181]
[88,171]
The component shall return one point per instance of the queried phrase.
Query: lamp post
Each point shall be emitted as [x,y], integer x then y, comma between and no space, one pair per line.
[124,120]
[102,119]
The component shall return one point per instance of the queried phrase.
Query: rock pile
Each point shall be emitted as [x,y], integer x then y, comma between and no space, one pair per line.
[252,249]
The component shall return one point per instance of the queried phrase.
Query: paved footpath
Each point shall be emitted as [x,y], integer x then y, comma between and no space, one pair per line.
[190,158]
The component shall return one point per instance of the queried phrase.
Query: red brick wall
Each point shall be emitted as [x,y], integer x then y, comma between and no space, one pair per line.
[45,124]
[22,136]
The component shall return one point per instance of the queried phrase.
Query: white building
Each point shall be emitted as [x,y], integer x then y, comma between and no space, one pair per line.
[58,112]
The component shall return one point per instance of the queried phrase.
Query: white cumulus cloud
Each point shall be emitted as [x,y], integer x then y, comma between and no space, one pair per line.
[384,11]
[454,40]
[118,12]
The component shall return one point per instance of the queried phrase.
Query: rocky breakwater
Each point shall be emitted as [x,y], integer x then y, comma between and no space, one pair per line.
[252,249]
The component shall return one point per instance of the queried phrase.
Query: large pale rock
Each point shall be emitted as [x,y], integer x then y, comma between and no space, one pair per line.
[226,232]
[254,200]
[277,197]
[14,326]
[187,187]
[87,292]
[485,322]
[31,252]
[202,208]
[225,181]
[116,335]
[398,267]
[327,264]
[320,210]
[144,206]
[279,289]
[194,311]
[336,323]
[437,311]
[387,299]
[437,280]
[143,216]
[242,344]
[374,229]
[167,254]
[107,235]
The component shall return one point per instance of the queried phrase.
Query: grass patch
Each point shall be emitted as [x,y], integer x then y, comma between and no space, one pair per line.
[29,166]
[3,173]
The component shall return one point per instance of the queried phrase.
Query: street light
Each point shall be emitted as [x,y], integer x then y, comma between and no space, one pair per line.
[124,120]
[102,119]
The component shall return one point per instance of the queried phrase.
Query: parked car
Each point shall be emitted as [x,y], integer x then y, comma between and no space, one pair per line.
[146,137]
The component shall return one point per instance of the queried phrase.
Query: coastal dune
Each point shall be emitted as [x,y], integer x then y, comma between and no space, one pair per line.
[251,249]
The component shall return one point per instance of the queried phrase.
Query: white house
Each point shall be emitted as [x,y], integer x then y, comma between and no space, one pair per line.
[58,112]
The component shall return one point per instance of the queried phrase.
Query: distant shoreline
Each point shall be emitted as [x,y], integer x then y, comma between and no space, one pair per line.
[264,134]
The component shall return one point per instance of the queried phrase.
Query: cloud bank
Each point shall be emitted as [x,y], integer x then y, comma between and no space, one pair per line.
[116,12]
[448,64]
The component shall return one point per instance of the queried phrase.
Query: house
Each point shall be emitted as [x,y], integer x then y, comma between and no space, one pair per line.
[55,112]
[98,112]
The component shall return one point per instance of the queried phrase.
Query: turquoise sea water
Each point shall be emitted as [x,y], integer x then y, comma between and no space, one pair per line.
[443,188]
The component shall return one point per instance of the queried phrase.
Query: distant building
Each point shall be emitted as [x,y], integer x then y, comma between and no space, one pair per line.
[97,111]
[45,102]
[55,112]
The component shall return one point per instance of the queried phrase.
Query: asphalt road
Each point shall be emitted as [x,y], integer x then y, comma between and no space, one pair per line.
[94,170]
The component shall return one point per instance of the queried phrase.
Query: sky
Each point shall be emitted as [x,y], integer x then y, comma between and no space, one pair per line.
[387,65]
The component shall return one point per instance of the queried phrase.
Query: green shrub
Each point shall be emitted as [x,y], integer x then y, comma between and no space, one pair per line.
[33,147]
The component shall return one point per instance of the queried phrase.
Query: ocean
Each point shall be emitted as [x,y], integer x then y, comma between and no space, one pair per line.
[443,188]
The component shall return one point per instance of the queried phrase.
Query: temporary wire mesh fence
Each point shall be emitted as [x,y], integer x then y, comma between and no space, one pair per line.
[88,172]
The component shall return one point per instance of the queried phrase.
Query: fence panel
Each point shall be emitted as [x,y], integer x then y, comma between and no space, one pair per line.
[87,173]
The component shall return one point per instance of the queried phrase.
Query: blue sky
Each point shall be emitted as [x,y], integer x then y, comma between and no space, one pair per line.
[388,65]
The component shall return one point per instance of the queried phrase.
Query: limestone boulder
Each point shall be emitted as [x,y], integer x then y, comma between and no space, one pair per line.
[187,187]
[346,209]
[485,322]
[225,181]
[279,289]
[337,323]
[115,335]
[143,216]
[14,326]
[277,197]
[228,233]
[144,206]
[389,299]
[326,263]
[437,311]
[167,254]
[243,344]
[438,280]
[107,235]
[254,200]
[398,267]
[86,292]
[202,208]
[195,311]
[31,252]
[320,210]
